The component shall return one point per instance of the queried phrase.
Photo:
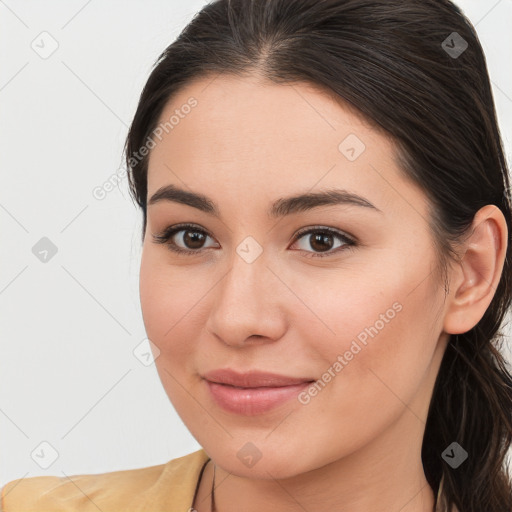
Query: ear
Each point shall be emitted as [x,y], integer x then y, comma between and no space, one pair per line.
[476,277]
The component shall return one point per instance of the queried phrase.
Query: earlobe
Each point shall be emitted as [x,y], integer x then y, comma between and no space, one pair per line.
[478,273]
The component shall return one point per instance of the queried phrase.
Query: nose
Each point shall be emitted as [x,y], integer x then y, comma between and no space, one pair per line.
[248,304]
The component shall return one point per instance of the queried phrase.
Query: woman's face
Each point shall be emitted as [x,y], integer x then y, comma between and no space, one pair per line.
[354,305]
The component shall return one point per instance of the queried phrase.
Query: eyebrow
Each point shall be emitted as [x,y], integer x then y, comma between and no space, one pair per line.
[280,207]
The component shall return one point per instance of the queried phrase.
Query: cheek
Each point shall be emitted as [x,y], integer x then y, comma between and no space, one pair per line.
[175,302]
[152,296]
[383,365]
[387,299]
[168,295]
[375,332]
[165,297]
[381,320]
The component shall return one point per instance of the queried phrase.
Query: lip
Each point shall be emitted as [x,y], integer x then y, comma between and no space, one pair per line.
[252,379]
[253,392]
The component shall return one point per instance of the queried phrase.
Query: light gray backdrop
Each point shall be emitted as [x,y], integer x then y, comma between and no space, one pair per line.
[74,397]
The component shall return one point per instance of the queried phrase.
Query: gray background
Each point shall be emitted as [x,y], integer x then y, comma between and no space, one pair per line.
[69,326]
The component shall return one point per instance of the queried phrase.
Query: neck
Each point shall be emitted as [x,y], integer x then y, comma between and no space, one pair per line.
[375,478]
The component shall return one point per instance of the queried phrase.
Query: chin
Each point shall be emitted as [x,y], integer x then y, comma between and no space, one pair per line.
[265,461]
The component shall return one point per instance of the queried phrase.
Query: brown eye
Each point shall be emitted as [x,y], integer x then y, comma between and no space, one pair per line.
[322,240]
[191,241]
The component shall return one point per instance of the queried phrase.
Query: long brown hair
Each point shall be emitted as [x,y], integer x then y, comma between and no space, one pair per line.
[416,70]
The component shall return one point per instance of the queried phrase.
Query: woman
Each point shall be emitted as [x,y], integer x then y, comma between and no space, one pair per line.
[325,267]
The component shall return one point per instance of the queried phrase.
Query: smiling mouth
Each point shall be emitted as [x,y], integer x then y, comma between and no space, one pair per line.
[252,379]
[251,401]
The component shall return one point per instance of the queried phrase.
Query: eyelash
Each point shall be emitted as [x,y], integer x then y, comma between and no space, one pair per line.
[165,236]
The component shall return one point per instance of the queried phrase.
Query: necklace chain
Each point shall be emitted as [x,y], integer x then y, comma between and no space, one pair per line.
[212,504]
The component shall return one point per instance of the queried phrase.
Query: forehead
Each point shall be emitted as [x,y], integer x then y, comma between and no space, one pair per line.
[251,114]
[245,135]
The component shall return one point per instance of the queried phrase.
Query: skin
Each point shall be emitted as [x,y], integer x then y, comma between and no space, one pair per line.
[356,446]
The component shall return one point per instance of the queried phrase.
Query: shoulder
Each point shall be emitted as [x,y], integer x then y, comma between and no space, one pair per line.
[154,488]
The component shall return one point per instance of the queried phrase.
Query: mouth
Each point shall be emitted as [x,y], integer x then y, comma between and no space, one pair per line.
[252,393]
[253,379]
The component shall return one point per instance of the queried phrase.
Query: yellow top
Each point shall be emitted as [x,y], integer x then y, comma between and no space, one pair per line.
[169,487]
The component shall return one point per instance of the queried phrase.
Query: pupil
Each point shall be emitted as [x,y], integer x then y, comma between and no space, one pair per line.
[191,240]
[323,240]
